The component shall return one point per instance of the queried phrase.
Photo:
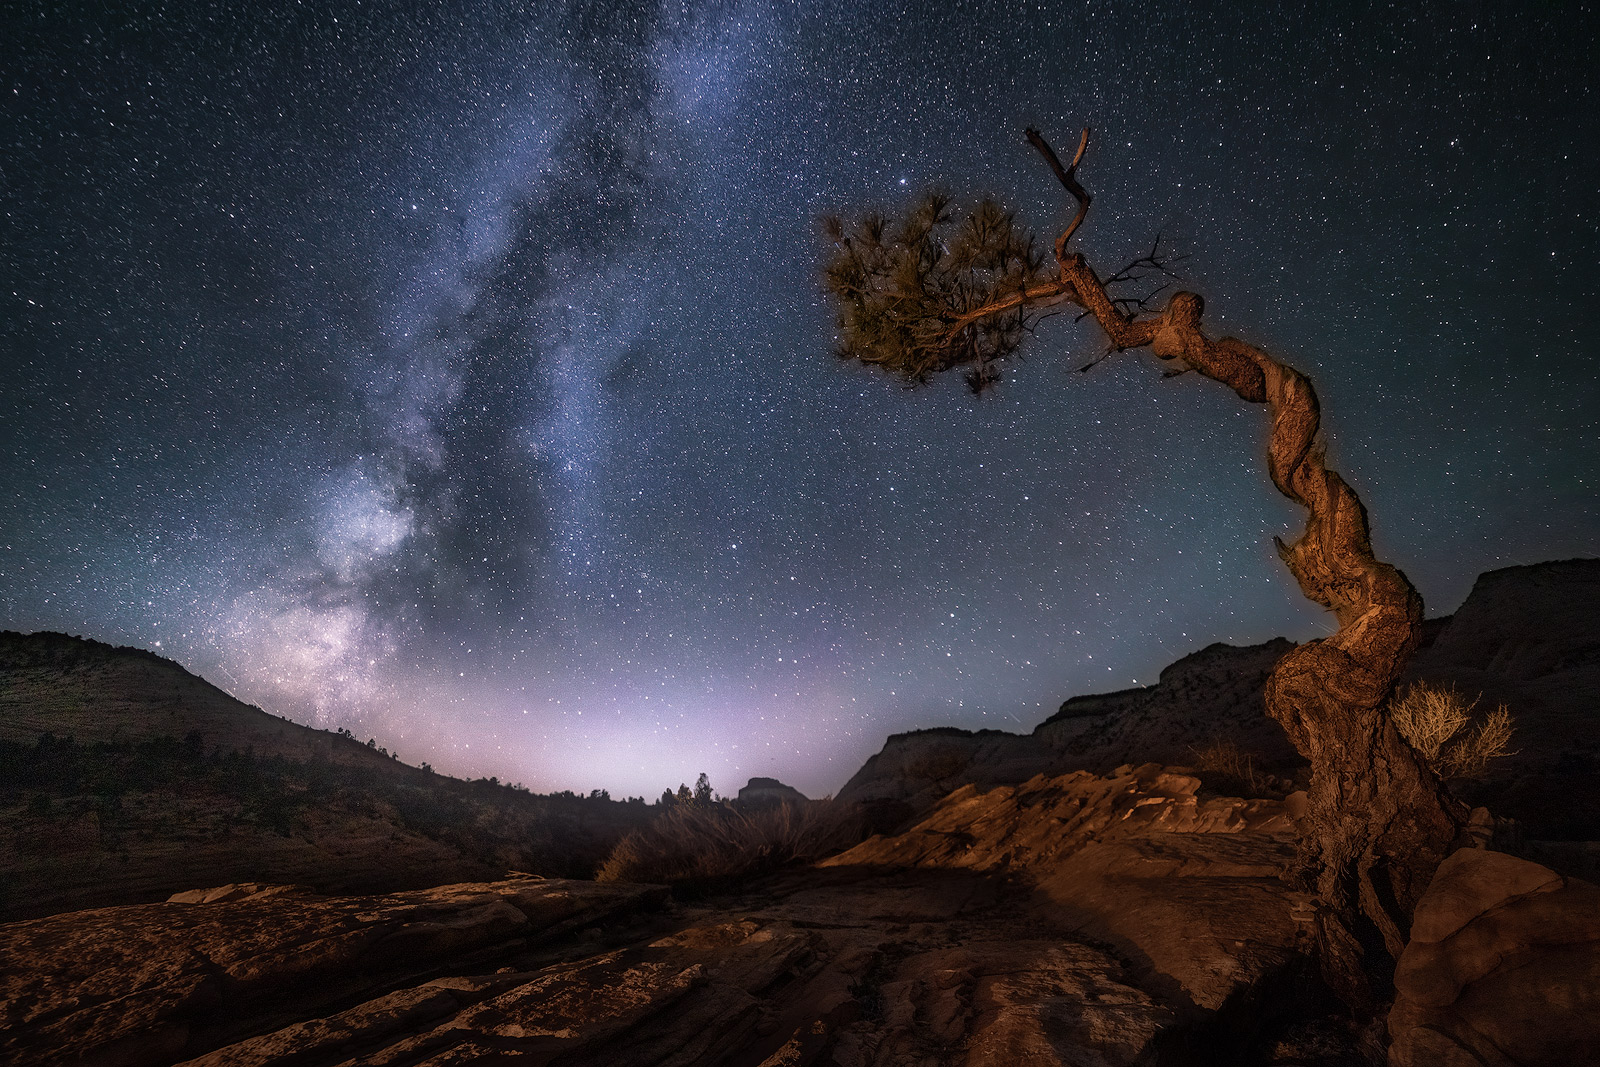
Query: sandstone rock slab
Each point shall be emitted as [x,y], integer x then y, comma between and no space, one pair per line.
[1503,969]
[143,983]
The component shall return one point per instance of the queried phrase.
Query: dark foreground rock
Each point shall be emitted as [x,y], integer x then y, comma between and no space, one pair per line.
[1077,920]
[1503,969]
[1086,920]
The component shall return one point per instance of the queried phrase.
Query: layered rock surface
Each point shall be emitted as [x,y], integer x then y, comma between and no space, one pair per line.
[1187,890]
[154,983]
[1503,969]
[1077,920]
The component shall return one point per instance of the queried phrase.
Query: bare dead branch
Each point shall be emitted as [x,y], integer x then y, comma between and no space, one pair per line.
[1031,297]
[1096,361]
[1068,177]
[1139,269]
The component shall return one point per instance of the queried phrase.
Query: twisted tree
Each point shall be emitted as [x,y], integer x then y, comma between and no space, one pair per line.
[929,295]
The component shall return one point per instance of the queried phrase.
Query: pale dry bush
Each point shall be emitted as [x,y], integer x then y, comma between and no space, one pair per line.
[1223,756]
[716,843]
[1438,722]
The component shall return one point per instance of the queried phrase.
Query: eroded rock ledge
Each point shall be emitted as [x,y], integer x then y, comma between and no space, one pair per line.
[1078,919]
[970,939]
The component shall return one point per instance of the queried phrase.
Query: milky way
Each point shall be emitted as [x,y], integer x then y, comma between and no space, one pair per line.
[467,381]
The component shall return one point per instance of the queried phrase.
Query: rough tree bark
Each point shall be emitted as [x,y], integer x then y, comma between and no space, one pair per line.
[1380,820]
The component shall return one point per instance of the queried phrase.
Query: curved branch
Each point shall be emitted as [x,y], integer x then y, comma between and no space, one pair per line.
[1380,821]
[1068,177]
[1037,296]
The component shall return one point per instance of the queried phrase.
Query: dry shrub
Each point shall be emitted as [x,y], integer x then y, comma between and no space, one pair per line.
[712,844]
[1435,720]
[1235,767]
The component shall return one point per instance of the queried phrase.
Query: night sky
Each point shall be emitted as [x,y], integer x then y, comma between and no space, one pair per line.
[466,379]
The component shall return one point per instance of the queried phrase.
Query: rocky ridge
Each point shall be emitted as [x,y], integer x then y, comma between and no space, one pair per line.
[124,778]
[1528,637]
[980,945]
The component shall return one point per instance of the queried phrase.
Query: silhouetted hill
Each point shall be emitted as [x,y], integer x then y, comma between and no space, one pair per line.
[124,778]
[1528,637]
[94,692]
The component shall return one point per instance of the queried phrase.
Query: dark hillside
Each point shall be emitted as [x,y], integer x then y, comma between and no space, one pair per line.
[91,691]
[124,778]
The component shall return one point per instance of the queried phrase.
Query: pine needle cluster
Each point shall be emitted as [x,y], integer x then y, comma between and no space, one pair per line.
[904,288]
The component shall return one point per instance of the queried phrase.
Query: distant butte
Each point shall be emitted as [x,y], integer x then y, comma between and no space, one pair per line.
[760,791]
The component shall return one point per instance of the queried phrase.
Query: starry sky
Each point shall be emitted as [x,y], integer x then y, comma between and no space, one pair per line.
[462,374]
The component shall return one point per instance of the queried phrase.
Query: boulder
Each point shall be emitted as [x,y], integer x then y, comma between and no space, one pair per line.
[1503,968]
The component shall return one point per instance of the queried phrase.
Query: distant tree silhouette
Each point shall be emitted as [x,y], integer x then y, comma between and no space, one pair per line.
[702,789]
[929,294]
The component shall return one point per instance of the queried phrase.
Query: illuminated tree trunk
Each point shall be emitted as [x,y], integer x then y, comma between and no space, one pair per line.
[919,299]
[1380,820]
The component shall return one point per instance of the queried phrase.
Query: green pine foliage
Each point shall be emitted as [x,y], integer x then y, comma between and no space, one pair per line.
[904,288]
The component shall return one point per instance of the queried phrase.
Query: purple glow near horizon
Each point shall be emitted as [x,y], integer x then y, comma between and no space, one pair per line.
[467,382]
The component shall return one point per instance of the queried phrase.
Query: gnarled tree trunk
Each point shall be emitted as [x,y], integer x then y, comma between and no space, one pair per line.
[1381,821]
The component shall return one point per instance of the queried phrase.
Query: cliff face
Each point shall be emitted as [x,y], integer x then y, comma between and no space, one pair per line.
[1210,695]
[1528,637]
